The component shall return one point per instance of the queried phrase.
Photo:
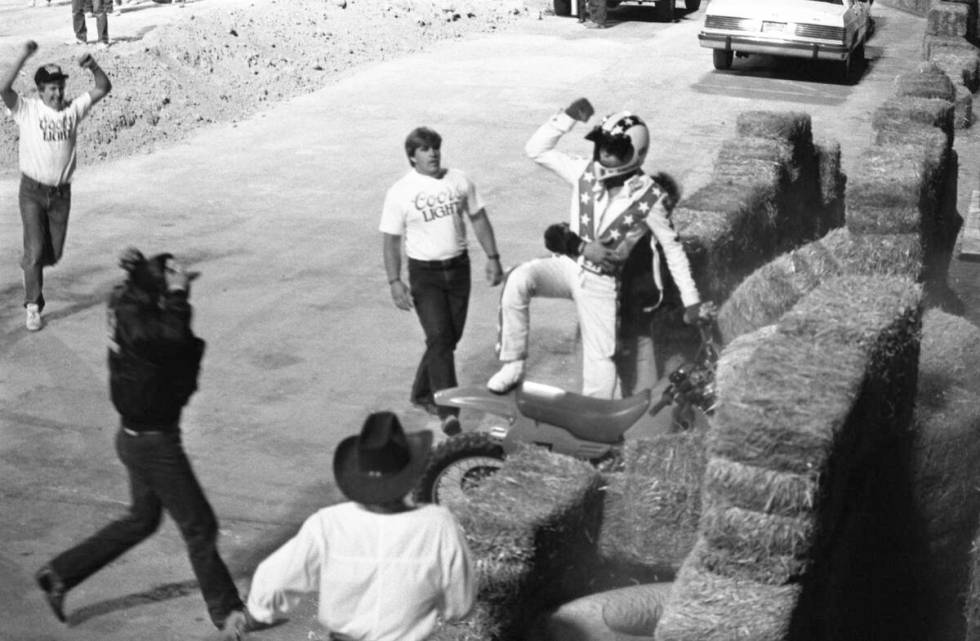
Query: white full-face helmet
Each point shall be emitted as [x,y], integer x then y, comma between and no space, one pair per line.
[625,135]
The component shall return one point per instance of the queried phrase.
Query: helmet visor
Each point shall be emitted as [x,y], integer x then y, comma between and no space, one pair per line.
[619,145]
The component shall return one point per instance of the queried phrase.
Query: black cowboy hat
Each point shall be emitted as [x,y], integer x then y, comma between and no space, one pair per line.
[382,463]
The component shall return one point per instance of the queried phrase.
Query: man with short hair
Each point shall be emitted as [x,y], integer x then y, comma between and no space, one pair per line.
[428,208]
[48,126]
[385,569]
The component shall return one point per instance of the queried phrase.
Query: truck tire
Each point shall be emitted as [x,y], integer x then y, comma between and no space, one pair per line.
[722,59]
[692,5]
[563,7]
[456,466]
[664,10]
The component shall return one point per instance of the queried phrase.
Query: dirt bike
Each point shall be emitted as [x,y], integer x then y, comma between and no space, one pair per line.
[565,423]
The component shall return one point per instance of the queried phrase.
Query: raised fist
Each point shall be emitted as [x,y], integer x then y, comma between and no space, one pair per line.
[30,47]
[86,60]
[130,258]
[580,110]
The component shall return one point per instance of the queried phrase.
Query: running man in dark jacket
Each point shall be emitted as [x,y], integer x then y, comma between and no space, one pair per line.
[154,360]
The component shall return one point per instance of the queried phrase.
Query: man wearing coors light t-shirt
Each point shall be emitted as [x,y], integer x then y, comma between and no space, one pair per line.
[427,207]
[48,126]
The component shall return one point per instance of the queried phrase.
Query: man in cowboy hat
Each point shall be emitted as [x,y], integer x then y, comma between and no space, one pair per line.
[385,569]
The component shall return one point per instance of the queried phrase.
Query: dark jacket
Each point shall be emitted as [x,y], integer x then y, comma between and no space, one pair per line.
[154,358]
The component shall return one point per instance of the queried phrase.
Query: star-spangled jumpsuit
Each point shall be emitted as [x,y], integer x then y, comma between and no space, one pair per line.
[594,294]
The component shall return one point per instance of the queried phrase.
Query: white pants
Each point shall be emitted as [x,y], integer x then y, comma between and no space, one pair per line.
[595,300]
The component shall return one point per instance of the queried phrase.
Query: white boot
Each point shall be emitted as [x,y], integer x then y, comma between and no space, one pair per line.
[507,378]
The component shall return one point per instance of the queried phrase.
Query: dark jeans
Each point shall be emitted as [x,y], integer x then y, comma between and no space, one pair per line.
[160,478]
[99,8]
[44,215]
[441,294]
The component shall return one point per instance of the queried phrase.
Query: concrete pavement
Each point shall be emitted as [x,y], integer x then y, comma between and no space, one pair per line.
[280,213]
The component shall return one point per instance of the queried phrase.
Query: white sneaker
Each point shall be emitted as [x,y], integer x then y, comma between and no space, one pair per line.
[507,378]
[33,322]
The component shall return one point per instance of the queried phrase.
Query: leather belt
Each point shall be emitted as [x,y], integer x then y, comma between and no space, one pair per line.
[455,261]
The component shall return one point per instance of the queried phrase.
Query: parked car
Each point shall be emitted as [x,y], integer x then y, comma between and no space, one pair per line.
[664,8]
[816,29]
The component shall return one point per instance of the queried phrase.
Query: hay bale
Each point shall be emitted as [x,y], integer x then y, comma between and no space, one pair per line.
[746,544]
[736,353]
[792,127]
[927,81]
[961,66]
[531,528]
[773,289]
[901,113]
[764,296]
[882,254]
[949,19]
[933,45]
[760,489]
[651,508]
[894,188]
[913,134]
[798,389]
[709,607]
[727,231]
[753,160]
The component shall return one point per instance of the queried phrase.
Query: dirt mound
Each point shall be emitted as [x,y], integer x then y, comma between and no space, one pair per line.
[224,63]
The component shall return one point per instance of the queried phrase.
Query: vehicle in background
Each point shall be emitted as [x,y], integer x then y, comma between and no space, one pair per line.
[834,30]
[664,9]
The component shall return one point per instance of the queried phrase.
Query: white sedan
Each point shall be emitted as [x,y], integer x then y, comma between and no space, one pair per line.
[815,29]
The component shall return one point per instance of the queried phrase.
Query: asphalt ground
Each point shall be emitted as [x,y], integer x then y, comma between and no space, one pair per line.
[280,214]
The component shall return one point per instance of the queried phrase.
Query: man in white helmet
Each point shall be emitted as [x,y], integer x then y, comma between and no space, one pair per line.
[614,206]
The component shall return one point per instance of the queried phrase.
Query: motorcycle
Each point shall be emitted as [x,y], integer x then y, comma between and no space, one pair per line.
[565,422]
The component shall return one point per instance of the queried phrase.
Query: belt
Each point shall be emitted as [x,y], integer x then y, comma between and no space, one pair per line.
[144,432]
[455,261]
[33,184]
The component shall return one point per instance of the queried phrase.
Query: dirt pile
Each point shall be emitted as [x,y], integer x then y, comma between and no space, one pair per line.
[223,63]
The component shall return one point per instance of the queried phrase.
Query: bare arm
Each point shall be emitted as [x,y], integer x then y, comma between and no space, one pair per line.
[484,234]
[102,84]
[7,82]
[392,251]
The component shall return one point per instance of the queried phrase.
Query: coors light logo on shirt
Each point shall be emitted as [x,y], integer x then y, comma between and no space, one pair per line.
[445,202]
[55,129]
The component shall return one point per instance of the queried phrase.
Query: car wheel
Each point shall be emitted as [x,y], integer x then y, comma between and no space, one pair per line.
[692,5]
[563,7]
[722,58]
[664,10]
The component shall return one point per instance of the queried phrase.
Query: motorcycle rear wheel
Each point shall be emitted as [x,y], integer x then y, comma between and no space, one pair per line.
[456,466]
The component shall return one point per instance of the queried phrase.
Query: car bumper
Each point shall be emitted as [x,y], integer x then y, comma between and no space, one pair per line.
[774,46]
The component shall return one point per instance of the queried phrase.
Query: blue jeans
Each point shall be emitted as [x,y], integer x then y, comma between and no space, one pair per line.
[441,295]
[160,478]
[99,8]
[44,215]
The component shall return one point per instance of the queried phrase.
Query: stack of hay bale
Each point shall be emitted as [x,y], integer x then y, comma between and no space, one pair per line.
[951,29]
[532,529]
[772,188]
[807,503]
[651,508]
[900,219]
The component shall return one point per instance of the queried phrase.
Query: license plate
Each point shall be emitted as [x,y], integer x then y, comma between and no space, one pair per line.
[773,27]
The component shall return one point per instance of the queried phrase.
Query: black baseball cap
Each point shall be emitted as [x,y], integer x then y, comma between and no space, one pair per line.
[49,73]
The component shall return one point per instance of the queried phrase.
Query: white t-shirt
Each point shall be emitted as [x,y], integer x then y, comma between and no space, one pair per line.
[47,138]
[428,212]
[381,577]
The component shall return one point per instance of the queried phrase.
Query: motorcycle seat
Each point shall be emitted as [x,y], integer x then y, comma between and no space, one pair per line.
[591,419]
